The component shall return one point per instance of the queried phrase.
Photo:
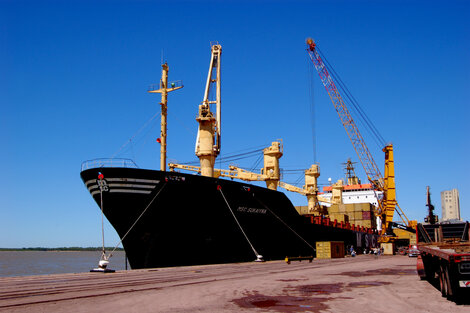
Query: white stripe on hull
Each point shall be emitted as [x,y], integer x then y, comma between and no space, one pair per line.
[124,191]
[92,187]
[120,185]
[131,180]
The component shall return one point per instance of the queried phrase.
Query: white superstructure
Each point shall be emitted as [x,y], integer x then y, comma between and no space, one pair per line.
[359,193]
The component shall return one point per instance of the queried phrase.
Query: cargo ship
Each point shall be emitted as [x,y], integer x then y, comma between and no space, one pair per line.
[168,218]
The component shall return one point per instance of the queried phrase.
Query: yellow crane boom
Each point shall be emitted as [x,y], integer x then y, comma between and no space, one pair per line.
[208,135]
[232,172]
[269,173]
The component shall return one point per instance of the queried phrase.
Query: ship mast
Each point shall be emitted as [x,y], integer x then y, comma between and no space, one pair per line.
[351,177]
[208,135]
[164,90]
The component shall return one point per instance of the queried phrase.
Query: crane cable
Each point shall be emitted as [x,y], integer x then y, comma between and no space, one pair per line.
[233,157]
[258,160]
[354,104]
[369,126]
[299,179]
[311,94]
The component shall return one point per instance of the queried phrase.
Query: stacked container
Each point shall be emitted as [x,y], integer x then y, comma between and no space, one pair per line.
[359,214]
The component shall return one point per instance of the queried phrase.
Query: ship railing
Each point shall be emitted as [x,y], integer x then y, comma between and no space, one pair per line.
[106,162]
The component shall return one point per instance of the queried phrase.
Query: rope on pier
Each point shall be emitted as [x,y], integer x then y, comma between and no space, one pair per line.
[266,207]
[143,212]
[257,255]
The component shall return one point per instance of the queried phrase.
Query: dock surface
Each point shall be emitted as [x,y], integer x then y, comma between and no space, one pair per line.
[360,284]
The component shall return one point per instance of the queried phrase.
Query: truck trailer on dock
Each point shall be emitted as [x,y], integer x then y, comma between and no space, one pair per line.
[445,257]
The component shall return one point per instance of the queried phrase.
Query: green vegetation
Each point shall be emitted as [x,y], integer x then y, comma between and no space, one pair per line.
[62,249]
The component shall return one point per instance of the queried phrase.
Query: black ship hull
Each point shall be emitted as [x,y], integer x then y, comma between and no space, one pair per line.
[173,219]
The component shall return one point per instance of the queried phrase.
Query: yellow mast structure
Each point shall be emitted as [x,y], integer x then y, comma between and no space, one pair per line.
[164,90]
[208,135]
[270,169]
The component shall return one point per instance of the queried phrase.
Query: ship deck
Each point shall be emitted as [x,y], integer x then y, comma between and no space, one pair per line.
[363,283]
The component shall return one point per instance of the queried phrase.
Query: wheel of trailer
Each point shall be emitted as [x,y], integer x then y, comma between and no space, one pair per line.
[450,290]
[443,282]
[427,266]
[420,268]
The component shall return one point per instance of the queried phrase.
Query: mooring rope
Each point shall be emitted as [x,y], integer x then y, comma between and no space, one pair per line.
[143,212]
[266,207]
[236,220]
[102,219]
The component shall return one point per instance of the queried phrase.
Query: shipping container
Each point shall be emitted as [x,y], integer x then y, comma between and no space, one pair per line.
[339,217]
[330,249]
[388,248]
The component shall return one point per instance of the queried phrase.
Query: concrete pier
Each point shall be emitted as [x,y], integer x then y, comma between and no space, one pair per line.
[361,284]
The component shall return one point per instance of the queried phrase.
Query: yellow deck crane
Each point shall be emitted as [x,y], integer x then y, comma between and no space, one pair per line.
[386,183]
[208,146]
[310,190]
[209,135]
[209,132]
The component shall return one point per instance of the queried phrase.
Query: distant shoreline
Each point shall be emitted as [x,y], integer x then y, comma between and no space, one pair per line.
[61,249]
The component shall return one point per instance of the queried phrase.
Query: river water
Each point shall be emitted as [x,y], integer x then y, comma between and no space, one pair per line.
[23,263]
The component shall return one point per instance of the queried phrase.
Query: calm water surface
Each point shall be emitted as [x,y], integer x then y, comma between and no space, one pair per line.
[22,263]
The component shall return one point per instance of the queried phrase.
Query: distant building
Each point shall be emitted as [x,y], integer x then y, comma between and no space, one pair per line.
[450,205]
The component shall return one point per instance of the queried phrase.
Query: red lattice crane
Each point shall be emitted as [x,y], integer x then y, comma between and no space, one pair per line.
[371,169]
[386,184]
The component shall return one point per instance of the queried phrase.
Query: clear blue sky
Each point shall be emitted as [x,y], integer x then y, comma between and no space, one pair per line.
[74,75]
